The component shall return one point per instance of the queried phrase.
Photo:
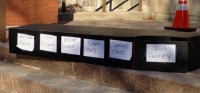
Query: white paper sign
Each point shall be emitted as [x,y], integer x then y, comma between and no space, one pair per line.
[25,42]
[70,45]
[48,43]
[120,50]
[161,53]
[93,48]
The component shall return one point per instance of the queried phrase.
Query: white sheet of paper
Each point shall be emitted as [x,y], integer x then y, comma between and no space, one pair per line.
[48,43]
[25,42]
[70,45]
[93,48]
[120,50]
[163,53]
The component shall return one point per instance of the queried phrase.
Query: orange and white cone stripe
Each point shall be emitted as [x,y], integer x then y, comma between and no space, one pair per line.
[182,5]
[181,19]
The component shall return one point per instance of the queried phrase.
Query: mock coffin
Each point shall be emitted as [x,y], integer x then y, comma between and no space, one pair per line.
[117,47]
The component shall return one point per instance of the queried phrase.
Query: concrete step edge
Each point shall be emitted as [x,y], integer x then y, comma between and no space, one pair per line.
[27,80]
[81,16]
[5,91]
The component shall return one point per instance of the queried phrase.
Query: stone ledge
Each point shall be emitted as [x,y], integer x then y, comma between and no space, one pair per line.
[139,81]
[26,80]
[86,16]
[4,91]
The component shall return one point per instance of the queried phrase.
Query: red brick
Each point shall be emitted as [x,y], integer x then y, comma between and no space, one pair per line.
[23,12]
[14,2]
[29,2]
[46,2]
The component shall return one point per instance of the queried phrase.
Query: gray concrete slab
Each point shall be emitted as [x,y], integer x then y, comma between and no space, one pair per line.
[4,91]
[26,80]
[133,24]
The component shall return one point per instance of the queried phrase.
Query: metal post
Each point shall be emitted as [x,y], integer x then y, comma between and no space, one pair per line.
[110,6]
[140,6]
[3,20]
[103,5]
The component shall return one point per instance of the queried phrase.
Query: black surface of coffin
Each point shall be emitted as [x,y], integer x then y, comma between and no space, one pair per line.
[187,54]
[186,42]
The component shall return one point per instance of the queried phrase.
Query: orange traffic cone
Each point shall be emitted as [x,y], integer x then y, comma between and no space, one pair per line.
[181,20]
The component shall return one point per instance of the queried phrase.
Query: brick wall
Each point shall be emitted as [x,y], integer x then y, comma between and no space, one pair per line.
[23,12]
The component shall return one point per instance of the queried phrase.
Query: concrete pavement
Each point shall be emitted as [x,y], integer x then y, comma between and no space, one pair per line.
[133,24]
[4,91]
[22,79]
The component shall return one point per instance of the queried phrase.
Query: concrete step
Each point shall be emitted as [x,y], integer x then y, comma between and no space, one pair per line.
[121,15]
[28,80]
[127,79]
[4,91]
[106,16]
[131,24]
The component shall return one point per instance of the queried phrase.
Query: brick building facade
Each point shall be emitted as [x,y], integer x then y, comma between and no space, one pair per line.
[22,12]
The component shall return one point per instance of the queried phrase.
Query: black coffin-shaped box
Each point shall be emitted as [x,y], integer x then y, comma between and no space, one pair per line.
[89,44]
[117,47]
[170,51]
